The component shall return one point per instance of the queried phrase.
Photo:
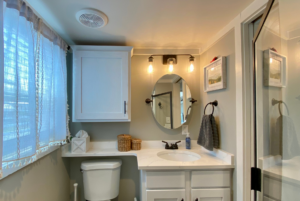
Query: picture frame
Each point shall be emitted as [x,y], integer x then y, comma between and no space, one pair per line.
[215,76]
[274,69]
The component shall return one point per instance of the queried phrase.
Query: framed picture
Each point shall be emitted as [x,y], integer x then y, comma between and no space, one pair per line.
[215,75]
[274,69]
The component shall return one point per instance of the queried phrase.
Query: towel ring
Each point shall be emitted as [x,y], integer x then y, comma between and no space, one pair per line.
[213,104]
[279,102]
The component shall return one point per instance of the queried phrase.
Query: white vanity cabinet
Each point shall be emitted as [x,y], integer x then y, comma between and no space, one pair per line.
[163,195]
[101,83]
[186,185]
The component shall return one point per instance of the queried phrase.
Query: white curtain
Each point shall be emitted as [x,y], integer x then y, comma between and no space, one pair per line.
[35,97]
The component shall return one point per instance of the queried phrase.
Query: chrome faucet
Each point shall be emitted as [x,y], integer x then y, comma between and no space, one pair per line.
[172,146]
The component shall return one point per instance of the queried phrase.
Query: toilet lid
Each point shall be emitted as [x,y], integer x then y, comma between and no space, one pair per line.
[101,164]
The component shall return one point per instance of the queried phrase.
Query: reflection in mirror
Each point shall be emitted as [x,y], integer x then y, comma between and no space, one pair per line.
[171,104]
[277,102]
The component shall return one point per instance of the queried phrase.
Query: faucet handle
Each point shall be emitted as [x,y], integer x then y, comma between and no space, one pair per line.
[167,145]
[175,146]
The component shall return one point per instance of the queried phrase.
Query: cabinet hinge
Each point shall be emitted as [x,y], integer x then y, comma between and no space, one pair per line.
[255,179]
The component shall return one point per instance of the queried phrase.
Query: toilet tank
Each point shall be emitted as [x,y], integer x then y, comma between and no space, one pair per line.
[101,179]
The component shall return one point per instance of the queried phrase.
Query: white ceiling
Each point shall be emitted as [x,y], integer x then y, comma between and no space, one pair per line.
[142,23]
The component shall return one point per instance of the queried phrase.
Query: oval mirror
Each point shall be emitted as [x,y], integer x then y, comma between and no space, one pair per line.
[171,101]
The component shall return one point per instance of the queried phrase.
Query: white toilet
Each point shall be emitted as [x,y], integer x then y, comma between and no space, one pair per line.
[101,179]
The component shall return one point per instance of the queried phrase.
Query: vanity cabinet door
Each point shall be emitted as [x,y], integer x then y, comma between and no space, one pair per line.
[222,194]
[101,84]
[268,199]
[166,195]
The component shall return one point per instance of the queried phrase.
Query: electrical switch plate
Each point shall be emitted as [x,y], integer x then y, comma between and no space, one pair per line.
[185,129]
[168,120]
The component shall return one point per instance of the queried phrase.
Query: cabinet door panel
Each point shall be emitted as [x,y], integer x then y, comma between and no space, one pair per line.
[166,195]
[165,179]
[215,178]
[211,194]
[101,85]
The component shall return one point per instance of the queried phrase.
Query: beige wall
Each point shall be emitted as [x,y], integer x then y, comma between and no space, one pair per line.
[45,180]
[226,110]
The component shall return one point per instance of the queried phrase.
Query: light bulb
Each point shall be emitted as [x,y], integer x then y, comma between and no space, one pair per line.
[150,69]
[212,69]
[191,67]
[170,62]
[191,63]
[271,60]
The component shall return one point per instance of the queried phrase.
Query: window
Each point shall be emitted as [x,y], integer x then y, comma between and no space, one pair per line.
[34,99]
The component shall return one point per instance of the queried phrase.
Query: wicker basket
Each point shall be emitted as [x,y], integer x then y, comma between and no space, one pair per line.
[124,142]
[136,144]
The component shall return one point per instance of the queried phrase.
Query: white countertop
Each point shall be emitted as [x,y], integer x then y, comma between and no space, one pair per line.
[147,158]
[286,170]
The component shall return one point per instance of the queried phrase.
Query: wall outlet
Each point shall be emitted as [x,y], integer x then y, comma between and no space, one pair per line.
[185,129]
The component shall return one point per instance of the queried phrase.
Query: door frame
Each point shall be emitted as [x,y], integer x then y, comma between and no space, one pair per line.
[244,97]
[171,104]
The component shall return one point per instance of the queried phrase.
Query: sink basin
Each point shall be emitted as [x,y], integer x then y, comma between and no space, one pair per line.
[175,155]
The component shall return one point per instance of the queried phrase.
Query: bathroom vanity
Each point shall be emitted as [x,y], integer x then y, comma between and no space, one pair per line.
[174,175]
[177,185]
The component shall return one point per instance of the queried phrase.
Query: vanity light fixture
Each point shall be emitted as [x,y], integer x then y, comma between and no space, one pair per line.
[192,63]
[150,68]
[170,60]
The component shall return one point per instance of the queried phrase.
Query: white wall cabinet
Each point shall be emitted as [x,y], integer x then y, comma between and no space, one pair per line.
[101,83]
[186,185]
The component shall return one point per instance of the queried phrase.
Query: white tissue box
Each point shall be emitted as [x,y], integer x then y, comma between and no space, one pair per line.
[80,145]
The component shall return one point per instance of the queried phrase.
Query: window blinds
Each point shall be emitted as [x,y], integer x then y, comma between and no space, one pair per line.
[35,96]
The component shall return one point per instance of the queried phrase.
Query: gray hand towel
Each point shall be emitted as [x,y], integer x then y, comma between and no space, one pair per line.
[284,140]
[208,136]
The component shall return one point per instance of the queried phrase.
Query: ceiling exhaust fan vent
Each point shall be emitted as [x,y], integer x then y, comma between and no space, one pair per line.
[91,18]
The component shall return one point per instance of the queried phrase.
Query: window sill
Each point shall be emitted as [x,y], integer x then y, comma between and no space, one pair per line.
[9,171]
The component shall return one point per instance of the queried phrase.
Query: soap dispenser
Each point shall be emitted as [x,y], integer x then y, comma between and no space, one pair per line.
[188,141]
